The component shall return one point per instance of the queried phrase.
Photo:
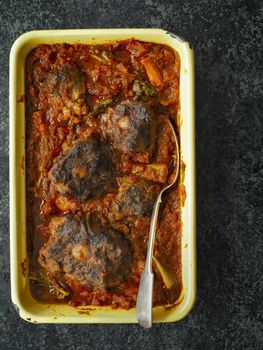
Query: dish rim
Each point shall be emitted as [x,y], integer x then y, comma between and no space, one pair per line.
[17,177]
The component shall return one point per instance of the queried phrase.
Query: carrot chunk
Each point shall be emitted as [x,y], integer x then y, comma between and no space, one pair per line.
[153,73]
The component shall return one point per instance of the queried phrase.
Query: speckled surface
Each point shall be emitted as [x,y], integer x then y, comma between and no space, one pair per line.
[227,38]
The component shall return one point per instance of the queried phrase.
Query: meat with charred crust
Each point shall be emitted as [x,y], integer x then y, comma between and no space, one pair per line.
[95,255]
[135,198]
[130,126]
[86,171]
[64,88]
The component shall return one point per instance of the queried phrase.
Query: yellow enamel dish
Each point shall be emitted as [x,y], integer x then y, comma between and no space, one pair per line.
[28,308]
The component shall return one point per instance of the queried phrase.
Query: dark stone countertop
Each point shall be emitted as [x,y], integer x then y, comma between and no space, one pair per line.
[227,38]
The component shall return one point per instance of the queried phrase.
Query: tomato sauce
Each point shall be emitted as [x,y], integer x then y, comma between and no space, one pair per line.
[98,150]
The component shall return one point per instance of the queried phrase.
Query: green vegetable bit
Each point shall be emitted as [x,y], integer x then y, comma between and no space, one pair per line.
[144,90]
[109,102]
[104,57]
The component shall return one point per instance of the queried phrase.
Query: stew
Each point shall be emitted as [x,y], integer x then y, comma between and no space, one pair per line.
[98,150]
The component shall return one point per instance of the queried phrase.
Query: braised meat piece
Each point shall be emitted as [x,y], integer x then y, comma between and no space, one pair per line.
[86,171]
[112,253]
[95,255]
[130,126]
[71,82]
[135,198]
[63,88]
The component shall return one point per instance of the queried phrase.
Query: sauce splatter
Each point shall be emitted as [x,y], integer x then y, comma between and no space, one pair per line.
[21,99]
[24,267]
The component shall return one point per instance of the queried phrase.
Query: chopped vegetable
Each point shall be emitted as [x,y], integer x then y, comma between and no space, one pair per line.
[98,58]
[143,89]
[103,58]
[106,55]
[153,73]
[56,288]
[142,157]
[39,181]
[156,172]
[109,102]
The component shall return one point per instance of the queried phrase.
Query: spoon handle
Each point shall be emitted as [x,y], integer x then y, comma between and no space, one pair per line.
[145,293]
[144,299]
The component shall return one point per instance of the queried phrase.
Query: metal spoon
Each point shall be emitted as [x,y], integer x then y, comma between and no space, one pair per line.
[145,292]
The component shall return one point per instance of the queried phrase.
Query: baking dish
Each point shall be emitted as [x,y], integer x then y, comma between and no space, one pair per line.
[29,309]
